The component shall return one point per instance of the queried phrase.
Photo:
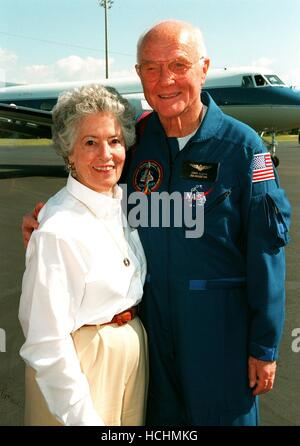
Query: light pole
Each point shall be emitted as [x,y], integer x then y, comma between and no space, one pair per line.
[106,4]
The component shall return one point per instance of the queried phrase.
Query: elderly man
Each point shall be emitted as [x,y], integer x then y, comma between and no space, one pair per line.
[213,305]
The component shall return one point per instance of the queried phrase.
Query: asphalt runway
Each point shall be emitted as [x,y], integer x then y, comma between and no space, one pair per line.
[29,174]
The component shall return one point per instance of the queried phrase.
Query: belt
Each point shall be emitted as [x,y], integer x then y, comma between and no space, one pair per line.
[121,318]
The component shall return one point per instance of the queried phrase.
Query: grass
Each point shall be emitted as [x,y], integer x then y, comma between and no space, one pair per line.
[25,142]
[287,138]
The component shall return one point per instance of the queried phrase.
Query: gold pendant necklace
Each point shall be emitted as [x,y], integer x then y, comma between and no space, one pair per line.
[124,252]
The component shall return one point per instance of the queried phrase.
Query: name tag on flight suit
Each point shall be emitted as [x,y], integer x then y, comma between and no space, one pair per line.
[198,171]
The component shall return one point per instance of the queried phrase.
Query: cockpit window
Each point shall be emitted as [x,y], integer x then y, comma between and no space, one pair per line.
[260,80]
[273,79]
[247,82]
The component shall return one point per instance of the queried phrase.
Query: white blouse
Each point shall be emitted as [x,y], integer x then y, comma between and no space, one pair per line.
[75,275]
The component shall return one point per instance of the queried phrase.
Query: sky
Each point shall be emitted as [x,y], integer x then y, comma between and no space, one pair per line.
[63,40]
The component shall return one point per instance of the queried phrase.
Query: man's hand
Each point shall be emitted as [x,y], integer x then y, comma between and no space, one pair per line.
[261,375]
[29,223]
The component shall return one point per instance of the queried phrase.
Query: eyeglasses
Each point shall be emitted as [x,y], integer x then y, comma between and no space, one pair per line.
[178,67]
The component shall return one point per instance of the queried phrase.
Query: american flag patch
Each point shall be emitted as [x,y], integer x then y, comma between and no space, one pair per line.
[262,168]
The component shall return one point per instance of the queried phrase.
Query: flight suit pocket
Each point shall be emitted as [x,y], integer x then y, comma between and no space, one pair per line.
[278,211]
[217,201]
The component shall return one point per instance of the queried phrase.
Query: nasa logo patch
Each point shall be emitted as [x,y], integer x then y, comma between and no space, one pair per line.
[147,176]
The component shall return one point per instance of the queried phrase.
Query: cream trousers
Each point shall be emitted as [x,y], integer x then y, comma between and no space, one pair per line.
[115,361]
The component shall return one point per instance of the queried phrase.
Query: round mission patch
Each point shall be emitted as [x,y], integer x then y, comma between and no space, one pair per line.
[148,176]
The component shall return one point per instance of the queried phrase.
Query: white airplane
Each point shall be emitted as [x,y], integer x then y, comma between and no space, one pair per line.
[253,95]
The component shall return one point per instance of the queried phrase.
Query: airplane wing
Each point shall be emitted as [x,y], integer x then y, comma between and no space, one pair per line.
[25,121]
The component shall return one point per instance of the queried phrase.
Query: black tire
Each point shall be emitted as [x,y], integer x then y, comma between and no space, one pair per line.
[275,160]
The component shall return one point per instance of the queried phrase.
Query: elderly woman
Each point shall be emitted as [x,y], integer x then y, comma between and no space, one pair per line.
[85,348]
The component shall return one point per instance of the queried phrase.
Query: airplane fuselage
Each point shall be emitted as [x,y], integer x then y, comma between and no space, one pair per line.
[260,100]
[264,108]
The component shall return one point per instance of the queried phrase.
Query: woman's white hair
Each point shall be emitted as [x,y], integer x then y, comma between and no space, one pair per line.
[75,104]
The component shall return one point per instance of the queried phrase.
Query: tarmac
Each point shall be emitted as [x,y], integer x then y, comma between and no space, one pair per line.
[29,174]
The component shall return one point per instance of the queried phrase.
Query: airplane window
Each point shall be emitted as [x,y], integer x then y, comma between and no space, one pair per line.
[260,81]
[274,80]
[247,81]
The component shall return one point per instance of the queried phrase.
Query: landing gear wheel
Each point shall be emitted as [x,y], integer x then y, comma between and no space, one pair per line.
[275,160]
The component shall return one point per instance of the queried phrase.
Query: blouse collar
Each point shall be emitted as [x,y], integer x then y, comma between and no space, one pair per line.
[102,205]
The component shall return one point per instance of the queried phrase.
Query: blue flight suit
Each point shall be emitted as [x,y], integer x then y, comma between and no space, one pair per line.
[211,301]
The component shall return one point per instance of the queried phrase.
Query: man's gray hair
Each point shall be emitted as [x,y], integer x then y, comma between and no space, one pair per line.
[73,105]
[195,33]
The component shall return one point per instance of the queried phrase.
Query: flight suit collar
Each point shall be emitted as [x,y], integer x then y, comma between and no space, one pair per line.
[212,121]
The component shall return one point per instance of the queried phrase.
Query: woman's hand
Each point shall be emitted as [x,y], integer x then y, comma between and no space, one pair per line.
[29,223]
